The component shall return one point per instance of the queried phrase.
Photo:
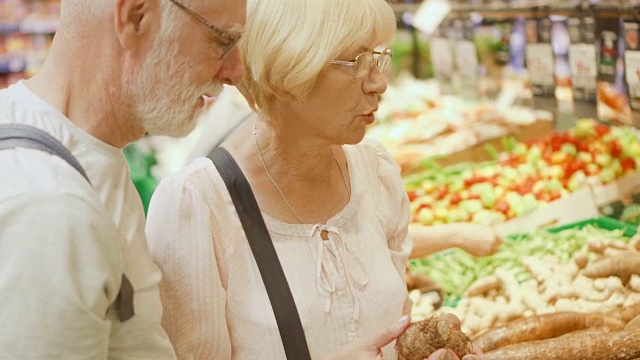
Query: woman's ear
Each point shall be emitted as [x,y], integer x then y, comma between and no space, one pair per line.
[282,95]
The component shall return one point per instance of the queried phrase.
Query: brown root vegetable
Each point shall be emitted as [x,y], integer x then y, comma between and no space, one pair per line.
[581,259]
[540,327]
[484,285]
[626,313]
[634,324]
[424,337]
[411,284]
[423,281]
[593,345]
[622,266]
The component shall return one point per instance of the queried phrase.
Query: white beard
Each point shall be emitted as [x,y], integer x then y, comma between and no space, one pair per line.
[166,102]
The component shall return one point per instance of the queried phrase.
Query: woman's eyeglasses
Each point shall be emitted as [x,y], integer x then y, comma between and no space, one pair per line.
[362,63]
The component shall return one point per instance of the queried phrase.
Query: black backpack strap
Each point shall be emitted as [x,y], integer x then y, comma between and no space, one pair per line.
[20,135]
[275,282]
[25,136]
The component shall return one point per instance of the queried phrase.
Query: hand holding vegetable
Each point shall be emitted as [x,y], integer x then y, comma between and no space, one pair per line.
[372,348]
[438,338]
[445,354]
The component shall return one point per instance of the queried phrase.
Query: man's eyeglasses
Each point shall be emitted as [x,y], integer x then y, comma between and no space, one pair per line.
[227,39]
[362,63]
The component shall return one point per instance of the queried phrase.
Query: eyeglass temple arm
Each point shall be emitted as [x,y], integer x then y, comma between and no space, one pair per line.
[342,62]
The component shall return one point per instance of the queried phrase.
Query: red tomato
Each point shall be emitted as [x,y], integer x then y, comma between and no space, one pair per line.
[602,129]
[473,196]
[455,199]
[628,163]
[475,180]
[554,196]
[582,146]
[442,191]
[502,206]
[412,195]
[544,196]
[616,149]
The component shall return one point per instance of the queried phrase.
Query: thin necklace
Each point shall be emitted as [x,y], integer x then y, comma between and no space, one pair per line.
[264,164]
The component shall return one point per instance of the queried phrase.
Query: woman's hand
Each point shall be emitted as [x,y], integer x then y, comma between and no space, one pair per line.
[446,354]
[372,348]
[477,240]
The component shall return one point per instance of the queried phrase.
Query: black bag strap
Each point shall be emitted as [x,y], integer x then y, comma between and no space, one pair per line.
[275,282]
[25,136]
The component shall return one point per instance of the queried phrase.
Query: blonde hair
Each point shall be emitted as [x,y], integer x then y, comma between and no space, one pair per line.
[287,43]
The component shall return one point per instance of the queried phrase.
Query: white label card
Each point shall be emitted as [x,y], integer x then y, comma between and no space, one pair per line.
[540,63]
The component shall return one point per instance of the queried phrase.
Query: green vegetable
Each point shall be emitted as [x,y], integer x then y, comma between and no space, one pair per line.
[569,149]
[455,269]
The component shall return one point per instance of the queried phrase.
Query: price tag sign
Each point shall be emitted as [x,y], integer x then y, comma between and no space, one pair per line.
[584,69]
[540,63]
[632,71]
[466,58]
[442,57]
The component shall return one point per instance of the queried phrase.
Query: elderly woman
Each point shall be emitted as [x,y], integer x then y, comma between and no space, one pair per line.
[334,205]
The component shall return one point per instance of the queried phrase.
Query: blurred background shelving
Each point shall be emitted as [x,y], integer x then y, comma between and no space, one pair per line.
[26,32]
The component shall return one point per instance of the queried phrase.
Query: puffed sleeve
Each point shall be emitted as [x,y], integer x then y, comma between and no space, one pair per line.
[180,236]
[395,210]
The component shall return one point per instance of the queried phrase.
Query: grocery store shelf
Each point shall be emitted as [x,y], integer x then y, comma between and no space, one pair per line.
[12,67]
[29,28]
[502,11]
[9,28]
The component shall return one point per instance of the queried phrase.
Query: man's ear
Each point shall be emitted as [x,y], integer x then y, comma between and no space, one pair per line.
[133,18]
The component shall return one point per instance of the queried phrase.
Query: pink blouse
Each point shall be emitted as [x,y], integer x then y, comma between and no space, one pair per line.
[346,288]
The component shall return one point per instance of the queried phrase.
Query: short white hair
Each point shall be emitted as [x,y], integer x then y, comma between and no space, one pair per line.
[84,7]
[287,43]
[73,10]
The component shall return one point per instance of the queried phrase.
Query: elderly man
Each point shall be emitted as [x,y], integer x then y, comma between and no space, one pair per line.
[76,279]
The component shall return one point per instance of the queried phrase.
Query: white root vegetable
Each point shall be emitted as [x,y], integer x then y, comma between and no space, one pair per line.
[483,286]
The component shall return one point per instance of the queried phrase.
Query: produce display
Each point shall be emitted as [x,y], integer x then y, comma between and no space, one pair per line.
[538,288]
[527,175]
[415,122]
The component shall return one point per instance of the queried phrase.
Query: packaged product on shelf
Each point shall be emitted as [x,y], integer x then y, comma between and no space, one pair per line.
[11,14]
[517,44]
[613,103]
[402,59]
[515,89]
[42,18]
[632,64]
[466,58]
[560,41]
[422,66]
[492,45]
[13,49]
[442,56]
[539,56]
[582,58]
[505,27]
